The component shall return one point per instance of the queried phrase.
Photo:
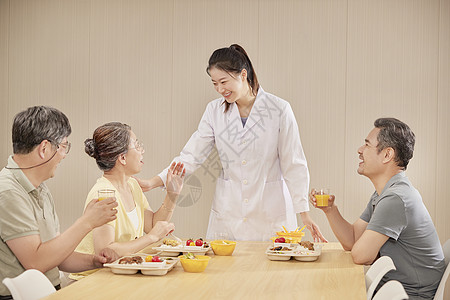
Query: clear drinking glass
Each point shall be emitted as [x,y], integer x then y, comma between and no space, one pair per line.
[322,196]
[104,194]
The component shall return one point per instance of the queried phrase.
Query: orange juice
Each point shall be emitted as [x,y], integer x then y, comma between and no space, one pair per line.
[322,200]
[104,194]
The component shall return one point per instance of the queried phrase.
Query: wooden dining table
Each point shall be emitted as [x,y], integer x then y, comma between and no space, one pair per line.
[247,274]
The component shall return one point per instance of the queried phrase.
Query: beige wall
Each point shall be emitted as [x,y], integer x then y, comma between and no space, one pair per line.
[341,64]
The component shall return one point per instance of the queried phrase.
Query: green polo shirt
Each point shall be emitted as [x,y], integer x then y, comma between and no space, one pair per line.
[25,210]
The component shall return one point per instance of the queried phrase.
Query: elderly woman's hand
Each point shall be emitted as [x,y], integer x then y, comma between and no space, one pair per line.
[175,177]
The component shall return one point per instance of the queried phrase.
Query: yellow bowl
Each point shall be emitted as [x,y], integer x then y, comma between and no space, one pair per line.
[196,265]
[222,247]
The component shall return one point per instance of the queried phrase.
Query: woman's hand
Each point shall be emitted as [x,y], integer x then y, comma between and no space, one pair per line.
[313,201]
[313,228]
[144,184]
[161,229]
[175,177]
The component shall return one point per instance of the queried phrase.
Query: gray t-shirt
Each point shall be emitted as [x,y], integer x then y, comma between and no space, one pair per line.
[413,243]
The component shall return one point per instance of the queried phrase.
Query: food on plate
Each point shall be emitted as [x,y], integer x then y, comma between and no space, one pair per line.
[156,259]
[198,242]
[172,243]
[280,240]
[131,260]
[280,248]
[148,258]
[307,244]
[189,255]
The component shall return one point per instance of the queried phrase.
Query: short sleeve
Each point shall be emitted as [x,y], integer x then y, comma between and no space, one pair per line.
[365,216]
[389,217]
[17,216]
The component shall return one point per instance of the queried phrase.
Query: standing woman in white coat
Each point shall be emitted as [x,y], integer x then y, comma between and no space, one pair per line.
[264,179]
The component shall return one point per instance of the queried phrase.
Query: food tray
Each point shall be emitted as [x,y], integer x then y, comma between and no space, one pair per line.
[146,268]
[298,253]
[175,251]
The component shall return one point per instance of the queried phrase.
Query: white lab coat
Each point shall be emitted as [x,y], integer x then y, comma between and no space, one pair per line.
[264,179]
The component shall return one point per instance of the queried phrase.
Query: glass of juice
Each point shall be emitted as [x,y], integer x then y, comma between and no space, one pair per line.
[322,196]
[103,194]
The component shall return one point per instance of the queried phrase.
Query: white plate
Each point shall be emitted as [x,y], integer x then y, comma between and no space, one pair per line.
[298,253]
[146,268]
[175,251]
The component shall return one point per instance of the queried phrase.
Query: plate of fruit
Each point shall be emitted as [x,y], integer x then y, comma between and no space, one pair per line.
[302,251]
[174,248]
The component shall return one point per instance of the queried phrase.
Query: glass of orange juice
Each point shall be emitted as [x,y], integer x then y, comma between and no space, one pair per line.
[103,194]
[322,196]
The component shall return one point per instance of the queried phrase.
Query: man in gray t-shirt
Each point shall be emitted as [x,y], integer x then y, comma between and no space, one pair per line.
[395,222]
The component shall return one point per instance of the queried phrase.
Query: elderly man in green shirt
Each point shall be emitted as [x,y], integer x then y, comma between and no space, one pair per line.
[29,226]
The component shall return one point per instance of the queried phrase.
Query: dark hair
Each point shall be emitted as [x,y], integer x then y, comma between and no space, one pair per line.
[397,135]
[233,60]
[38,123]
[107,143]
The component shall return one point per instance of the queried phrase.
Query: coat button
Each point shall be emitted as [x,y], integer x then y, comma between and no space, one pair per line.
[244,162]
[246,200]
[244,219]
[245,181]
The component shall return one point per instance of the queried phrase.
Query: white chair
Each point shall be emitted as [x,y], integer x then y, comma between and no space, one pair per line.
[441,288]
[378,269]
[391,290]
[30,285]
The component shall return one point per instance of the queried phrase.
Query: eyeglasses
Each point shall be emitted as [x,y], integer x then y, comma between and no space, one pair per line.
[139,146]
[66,146]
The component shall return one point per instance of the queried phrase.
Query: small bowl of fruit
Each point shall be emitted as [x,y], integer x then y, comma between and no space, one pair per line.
[194,263]
[223,247]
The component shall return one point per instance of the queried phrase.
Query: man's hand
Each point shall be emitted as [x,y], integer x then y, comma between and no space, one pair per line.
[313,201]
[98,213]
[107,255]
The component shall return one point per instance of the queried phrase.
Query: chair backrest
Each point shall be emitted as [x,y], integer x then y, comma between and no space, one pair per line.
[391,290]
[441,288]
[446,249]
[30,285]
[378,269]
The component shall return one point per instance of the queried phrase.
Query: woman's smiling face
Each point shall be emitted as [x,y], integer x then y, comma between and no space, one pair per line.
[232,88]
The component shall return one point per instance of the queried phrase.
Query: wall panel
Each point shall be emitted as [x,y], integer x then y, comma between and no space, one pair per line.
[340,64]
[442,157]
[392,72]
[5,132]
[48,65]
[300,42]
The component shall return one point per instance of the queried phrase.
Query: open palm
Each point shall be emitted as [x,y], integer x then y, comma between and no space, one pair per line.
[175,178]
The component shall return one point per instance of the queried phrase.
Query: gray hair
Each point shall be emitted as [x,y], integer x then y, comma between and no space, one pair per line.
[397,135]
[108,142]
[36,124]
